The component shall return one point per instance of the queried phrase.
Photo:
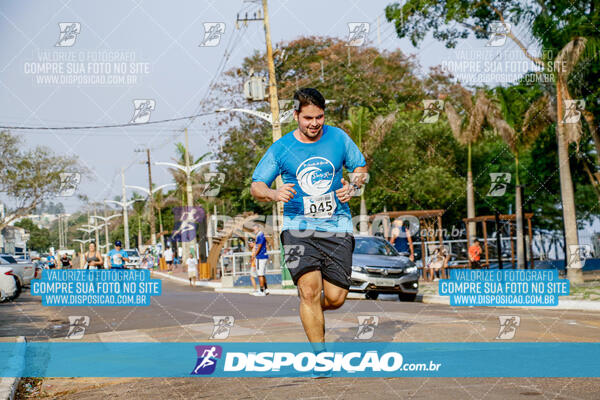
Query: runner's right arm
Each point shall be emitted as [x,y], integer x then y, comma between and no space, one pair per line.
[261,192]
[265,173]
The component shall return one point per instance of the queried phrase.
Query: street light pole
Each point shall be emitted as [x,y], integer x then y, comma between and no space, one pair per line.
[96,227]
[105,218]
[105,229]
[81,243]
[124,202]
[188,169]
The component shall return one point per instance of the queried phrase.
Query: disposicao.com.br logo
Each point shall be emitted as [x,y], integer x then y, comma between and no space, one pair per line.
[288,363]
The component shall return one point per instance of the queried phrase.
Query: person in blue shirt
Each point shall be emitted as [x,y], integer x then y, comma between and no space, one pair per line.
[260,258]
[117,257]
[317,226]
[401,239]
[51,261]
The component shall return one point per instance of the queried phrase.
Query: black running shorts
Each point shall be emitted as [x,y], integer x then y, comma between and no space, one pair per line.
[328,252]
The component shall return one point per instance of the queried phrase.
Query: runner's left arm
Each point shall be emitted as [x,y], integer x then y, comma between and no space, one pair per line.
[354,162]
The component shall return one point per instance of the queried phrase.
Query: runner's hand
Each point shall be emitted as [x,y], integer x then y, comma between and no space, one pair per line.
[344,194]
[285,193]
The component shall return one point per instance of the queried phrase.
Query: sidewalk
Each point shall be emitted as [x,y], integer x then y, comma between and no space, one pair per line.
[581,299]
[180,275]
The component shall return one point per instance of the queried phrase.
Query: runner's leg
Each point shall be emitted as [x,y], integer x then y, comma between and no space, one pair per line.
[333,296]
[310,286]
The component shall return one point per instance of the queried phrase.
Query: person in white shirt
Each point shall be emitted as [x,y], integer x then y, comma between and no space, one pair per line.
[192,267]
[169,258]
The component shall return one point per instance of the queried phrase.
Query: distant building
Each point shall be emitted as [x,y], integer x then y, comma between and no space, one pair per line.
[13,240]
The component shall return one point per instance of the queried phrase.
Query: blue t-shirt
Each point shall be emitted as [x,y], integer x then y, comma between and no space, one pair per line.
[116,258]
[260,240]
[315,169]
[401,243]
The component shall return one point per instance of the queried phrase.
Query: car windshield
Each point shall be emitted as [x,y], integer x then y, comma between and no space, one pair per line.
[10,259]
[132,253]
[374,247]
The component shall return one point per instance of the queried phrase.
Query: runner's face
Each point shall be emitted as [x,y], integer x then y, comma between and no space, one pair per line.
[310,120]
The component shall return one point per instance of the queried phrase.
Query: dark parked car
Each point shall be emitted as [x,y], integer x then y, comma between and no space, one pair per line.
[378,268]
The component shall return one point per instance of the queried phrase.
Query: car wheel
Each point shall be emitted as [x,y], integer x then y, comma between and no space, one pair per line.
[407,296]
[371,295]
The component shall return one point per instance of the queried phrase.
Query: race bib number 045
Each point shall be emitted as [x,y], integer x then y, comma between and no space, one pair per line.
[319,206]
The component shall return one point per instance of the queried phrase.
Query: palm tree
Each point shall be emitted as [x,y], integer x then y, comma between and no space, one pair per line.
[566,133]
[467,131]
[360,121]
[198,186]
[519,124]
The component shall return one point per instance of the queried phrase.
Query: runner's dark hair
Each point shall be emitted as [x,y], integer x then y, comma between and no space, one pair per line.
[306,96]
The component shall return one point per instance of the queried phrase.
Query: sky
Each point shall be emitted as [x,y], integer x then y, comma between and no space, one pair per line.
[130,50]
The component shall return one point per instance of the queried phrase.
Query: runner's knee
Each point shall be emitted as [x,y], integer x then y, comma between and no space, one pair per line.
[335,302]
[309,294]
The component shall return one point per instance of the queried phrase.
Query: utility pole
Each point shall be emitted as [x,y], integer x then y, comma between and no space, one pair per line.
[152,220]
[274,101]
[124,201]
[190,198]
[272,82]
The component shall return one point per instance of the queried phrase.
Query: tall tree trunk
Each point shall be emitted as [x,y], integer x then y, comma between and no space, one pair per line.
[364,219]
[519,214]
[574,273]
[470,197]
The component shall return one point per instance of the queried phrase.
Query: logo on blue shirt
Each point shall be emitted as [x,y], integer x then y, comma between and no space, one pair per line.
[315,175]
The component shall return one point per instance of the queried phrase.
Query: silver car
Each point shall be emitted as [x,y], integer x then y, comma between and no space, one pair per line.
[378,268]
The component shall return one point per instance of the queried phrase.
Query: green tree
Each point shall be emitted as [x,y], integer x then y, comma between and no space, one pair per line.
[417,167]
[28,177]
[39,238]
[415,18]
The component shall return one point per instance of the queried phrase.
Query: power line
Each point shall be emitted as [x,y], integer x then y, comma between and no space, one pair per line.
[128,125]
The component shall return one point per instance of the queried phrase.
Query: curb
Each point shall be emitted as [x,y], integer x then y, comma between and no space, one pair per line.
[8,385]
[178,279]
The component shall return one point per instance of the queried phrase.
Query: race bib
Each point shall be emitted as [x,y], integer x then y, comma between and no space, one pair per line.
[322,206]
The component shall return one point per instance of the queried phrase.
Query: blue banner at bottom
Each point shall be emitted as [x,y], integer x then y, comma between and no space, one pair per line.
[283,359]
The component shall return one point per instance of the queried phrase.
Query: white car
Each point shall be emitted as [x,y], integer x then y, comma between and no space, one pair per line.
[134,258]
[8,285]
[23,271]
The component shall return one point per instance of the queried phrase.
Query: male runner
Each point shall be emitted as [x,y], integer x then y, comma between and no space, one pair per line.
[316,218]
[117,257]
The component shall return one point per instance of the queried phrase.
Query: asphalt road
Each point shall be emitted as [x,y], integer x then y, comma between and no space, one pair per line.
[185,314]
